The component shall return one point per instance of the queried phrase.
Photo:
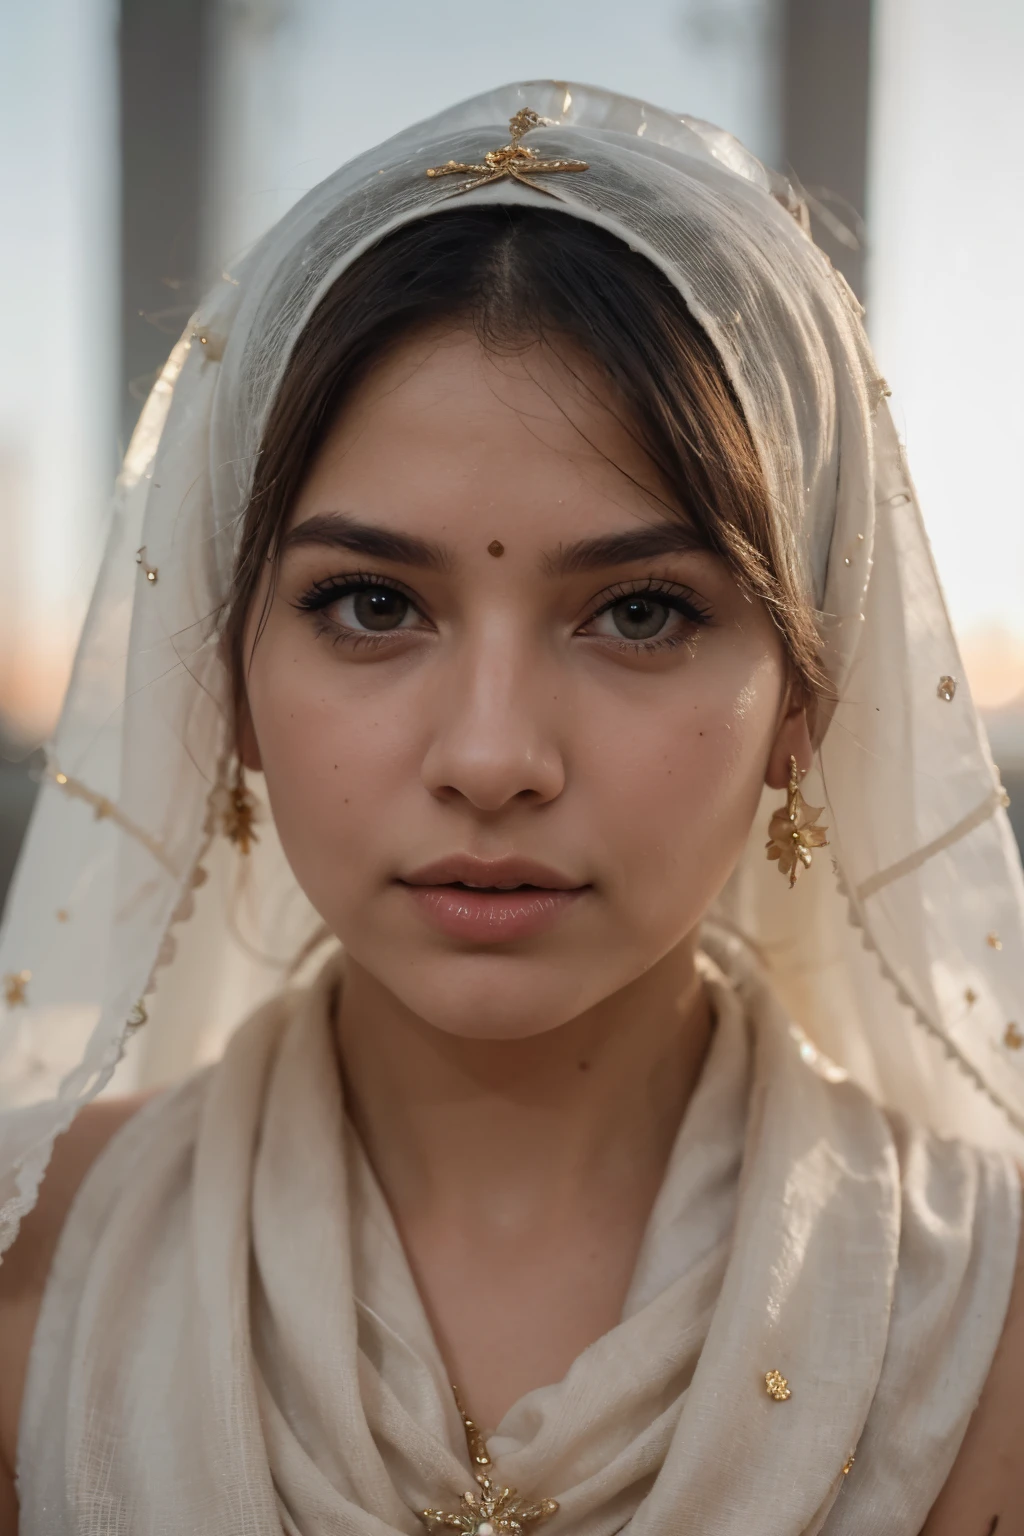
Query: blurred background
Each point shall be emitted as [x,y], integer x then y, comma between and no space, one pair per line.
[145,144]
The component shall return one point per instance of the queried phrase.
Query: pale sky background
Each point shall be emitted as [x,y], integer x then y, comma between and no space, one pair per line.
[310,82]
[946,299]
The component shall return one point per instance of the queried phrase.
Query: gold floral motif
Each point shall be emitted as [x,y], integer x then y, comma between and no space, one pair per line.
[792,832]
[777,1386]
[138,1016]
[993,941]
[15,984]
[239,815]
[1013,1038]
[512,159]
[494,1511]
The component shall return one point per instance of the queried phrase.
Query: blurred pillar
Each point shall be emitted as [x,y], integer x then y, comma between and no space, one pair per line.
[163,68]
[826,69]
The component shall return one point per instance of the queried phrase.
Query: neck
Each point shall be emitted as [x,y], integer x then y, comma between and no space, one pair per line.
[511,1132]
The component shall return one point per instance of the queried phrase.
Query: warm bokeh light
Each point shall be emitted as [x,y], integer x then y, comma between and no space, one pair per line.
[994,663]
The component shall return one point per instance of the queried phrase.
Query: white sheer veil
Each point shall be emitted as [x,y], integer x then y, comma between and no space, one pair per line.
[900,954]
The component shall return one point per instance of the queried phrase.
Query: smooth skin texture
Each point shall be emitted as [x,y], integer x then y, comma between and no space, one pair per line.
[518,1100]
[609,709]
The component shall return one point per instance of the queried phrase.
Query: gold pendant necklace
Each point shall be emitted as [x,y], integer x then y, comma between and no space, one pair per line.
[494,1511]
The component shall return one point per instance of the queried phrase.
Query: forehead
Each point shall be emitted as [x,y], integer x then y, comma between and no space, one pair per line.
[445,435]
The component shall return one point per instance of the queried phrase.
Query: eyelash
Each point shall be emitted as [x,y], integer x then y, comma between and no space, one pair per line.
[682,600]
[322,594]
[331,590]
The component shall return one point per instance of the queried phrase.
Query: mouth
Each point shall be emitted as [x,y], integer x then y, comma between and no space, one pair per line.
[482,901]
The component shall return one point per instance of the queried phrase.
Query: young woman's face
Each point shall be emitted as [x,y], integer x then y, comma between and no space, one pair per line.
[514,728]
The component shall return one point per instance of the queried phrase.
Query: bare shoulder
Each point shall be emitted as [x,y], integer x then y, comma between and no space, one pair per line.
[25,1267]
[984,1495]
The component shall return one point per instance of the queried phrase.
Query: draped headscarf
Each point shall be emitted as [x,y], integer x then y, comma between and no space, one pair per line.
[901,953]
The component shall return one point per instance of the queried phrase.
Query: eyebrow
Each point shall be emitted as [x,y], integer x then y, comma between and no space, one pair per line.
[620,548]
[339,531]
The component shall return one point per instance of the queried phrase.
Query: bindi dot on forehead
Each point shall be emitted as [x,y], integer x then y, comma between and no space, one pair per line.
[495,548]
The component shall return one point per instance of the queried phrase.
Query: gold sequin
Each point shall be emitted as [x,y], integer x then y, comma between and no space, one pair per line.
[849,1463]
[993,941]
[15,985]
[970,997]
[777,1386]
[212,345]
[947,689]
[1013,1039]
[150,571]
[63,915]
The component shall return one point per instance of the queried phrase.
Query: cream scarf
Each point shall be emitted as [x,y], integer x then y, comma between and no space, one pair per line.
[231,1343]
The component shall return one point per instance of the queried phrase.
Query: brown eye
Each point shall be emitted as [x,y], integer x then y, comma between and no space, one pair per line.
[639,617]
[375,608]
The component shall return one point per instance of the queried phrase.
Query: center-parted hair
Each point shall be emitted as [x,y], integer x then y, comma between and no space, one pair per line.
[520,276]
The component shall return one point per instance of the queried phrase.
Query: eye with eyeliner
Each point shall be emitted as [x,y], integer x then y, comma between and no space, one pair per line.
[652,593]
[323,595]
[649,597]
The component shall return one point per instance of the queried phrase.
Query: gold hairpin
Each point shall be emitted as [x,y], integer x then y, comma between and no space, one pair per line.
[513,159]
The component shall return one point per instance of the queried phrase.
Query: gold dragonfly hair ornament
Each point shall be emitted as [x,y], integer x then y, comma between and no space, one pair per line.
[513,159]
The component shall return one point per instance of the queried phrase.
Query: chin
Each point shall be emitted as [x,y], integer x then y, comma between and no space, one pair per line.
[491,996]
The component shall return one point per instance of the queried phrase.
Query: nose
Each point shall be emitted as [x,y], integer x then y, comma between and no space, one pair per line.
[494,741]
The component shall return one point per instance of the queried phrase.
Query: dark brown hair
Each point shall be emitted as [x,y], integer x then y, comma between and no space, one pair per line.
[521,275]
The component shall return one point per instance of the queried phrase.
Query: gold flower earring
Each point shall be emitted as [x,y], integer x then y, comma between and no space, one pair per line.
[792,832]
[239,815]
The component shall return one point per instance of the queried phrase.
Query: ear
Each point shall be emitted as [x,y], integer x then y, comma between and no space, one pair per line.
[792,739]
[245,738]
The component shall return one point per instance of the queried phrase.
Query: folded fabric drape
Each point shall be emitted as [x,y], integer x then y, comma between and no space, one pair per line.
[232,1344]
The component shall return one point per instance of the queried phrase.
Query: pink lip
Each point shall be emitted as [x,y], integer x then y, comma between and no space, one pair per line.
[491,916]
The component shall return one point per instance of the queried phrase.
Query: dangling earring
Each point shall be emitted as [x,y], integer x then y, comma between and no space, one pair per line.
[792,832]
[239,817]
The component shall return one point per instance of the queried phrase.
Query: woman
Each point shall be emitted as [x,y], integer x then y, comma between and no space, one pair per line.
[519,510]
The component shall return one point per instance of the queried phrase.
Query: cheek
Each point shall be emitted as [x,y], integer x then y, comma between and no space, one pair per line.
[681,783]
[335,749]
